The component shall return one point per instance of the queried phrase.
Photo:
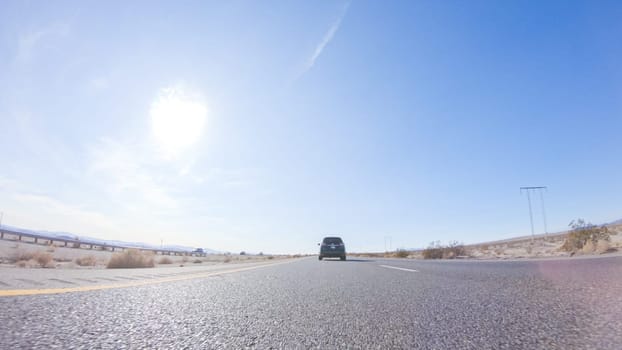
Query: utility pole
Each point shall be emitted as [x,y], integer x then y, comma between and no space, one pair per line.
[387,239]
[528,190]
[546,231]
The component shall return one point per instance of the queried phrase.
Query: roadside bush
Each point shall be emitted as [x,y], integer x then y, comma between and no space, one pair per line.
[582,233]
[401,253]
[433,251]
[131,258]
[43,259]
[438,251]
[165,260]
[21,255]
[88,260]
[197,261]
[453,250]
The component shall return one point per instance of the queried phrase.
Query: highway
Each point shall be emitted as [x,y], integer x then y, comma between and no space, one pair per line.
[357,304]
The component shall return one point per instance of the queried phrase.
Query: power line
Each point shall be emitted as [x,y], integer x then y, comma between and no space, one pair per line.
[539,189]
[546,231]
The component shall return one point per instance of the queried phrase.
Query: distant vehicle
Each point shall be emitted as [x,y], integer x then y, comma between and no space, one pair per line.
[199,251]
[332,247]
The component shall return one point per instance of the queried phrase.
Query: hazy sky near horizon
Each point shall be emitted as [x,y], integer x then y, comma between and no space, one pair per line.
[266,125]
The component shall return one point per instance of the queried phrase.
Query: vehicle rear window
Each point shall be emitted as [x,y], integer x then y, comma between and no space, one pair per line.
[332,240]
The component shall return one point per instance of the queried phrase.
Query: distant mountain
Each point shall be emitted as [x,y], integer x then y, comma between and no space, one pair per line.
[98,241]
[617,222]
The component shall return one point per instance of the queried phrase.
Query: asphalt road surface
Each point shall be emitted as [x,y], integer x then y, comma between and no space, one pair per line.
[365,303]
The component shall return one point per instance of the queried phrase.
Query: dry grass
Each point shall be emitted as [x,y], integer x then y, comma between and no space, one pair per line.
[43,259]
[21,255]
[131,258]
[88,260]
[22,258]
[165,260]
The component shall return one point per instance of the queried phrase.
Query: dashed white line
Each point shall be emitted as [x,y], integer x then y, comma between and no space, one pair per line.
[398,268]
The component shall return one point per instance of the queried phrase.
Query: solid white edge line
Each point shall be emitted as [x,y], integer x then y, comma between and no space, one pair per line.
[398,268]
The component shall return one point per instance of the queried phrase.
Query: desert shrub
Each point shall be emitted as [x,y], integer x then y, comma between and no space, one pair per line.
[88,260]
[453,249]
[43,259]
[131,258]
[433,251]
[21,255]
[450,251]
[401,253]
[22,263]
[582,233]
[184,259]
[227,259]
[76,245]
[197,261]
[165,260]
[270,257]
[588,247]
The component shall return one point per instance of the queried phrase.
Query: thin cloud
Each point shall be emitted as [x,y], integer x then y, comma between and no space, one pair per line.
[28,43]
[124,171]
[325,40]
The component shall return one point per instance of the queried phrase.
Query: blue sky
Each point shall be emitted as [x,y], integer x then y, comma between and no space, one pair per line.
[266,125]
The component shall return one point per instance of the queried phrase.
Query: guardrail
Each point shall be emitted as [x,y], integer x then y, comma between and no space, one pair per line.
[86,243]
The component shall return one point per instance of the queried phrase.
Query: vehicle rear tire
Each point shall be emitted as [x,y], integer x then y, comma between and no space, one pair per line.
[343,258]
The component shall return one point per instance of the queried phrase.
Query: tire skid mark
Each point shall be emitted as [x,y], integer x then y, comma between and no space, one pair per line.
[85,280]
[107,279]
[30,281]
[61,281]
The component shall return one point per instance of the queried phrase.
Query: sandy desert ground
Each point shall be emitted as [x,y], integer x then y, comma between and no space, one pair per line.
[541,246]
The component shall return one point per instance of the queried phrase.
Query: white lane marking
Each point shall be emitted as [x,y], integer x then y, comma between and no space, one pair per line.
[398,268]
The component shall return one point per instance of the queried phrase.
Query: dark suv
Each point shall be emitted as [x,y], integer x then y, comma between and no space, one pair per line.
[332,247]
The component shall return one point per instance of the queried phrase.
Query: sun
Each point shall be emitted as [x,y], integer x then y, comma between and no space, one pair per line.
[177,121]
